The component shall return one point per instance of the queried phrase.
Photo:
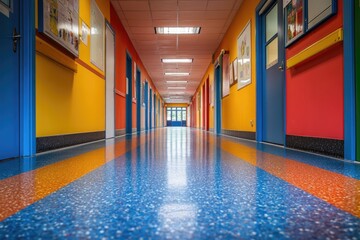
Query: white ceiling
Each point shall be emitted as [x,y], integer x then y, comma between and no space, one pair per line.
[139,18]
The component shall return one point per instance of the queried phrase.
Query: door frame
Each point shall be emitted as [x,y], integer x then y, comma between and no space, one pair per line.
[27,79]
[138,100]
[217,96]
[146,99]
[150,109]
[357,78]
[128,82]
[260,73]
[110,133]
[349,81]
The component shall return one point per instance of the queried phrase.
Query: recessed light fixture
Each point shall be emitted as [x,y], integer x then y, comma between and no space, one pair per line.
[176,93]
[178,82]
[176,74]
[177,30]
[177,60]
[179,88]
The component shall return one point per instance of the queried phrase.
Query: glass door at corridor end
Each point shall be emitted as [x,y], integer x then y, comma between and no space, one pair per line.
[176,117]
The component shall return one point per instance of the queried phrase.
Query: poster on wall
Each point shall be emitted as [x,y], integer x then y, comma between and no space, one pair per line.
[85,31]
[244,56]
[226,75]
[97,36]
[59,19]
[294,20]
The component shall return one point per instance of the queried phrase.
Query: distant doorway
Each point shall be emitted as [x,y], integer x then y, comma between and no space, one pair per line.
[176,117]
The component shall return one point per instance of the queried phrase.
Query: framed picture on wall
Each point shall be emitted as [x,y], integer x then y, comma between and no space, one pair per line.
[231,74]
[244,56]
[235,69]
[225,75]
[294,20]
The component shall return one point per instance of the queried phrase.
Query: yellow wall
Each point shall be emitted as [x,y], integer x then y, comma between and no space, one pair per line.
[67,101]
[238,108]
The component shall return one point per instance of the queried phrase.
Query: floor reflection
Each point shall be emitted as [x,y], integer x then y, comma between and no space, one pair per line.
[180,183]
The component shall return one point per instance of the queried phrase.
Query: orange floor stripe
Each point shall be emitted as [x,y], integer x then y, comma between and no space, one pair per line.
[341,191]
[22,190]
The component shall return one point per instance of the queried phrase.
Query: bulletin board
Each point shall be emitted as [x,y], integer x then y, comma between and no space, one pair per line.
[59,19]
[303,15]
[319,10]
[97,36]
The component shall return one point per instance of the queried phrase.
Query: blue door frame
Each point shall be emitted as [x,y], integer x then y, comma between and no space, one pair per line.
[128,94]
[138,100]
[261,72]
[155,108]
[150,110]
[26,77]
[146,96]
[217,96]
[349,81]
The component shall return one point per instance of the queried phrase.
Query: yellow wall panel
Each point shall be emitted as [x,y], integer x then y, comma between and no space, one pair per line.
[238,108]
[67,102]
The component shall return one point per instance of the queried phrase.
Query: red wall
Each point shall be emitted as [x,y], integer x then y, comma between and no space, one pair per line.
[314,89]
[123,44]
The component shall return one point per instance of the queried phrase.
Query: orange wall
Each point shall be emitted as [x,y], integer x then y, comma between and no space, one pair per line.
[123,44]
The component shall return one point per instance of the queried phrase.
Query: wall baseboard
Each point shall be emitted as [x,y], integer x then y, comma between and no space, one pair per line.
[120,132]
[239,134]
[60,141]
[331,147]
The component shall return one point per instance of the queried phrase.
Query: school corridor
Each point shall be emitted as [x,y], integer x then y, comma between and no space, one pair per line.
[180,119]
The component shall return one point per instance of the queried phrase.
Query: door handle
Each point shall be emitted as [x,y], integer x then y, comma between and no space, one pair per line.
[16,36]
[281,67]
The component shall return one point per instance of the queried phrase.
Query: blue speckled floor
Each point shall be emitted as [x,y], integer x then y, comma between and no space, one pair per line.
[178,183]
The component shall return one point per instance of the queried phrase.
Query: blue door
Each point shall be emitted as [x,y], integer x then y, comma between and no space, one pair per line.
[150,110]
[9,80]
[138,101]
[155,109]
[128,94]
[146,96]
[273,80]
[217,97]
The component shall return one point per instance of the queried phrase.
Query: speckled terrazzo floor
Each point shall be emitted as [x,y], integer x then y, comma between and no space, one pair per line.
[178,183]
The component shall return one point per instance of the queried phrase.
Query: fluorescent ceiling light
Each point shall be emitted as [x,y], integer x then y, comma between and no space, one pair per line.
[177,60]
[176,74]
[177,30]
[176,93]
[179,82]
[177,88]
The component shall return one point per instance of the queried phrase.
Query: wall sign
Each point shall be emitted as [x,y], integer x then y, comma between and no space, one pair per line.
[59,19]
[244,56]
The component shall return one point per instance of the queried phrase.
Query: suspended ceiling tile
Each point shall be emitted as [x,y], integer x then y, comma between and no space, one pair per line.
[134,5]
[161,5]
[144,15]
[216,5]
